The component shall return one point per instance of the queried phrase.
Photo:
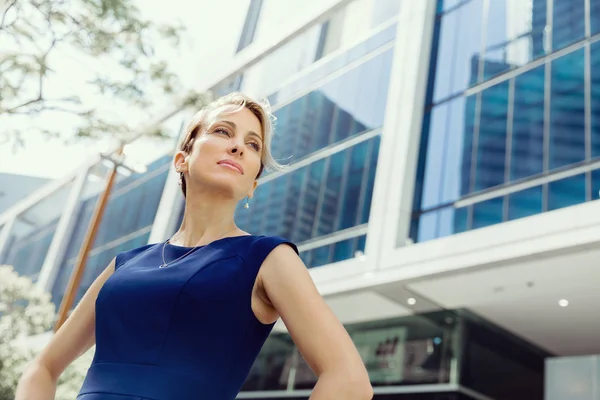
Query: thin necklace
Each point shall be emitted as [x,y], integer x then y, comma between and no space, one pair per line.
[165,263]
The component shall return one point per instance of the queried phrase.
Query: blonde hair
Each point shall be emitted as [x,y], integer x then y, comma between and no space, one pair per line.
[233,103]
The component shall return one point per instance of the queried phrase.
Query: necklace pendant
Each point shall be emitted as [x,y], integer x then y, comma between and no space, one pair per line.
[162,265]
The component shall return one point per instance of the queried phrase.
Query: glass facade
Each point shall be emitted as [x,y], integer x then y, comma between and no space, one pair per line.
[435,348]
[346,36]
[335,127]
[127,221]
[32,232]
[504,108]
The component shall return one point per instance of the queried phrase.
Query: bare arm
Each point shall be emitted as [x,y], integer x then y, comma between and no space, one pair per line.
[320,337]
[74,338]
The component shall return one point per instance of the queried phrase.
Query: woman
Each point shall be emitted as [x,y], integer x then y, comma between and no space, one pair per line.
[185,319]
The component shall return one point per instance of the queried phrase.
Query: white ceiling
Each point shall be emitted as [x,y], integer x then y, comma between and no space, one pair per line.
[523,298]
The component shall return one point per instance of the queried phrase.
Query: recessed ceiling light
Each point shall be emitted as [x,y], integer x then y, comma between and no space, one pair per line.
[563,302]
[411,301]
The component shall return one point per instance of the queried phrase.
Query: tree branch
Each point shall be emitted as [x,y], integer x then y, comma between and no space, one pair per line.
[11,5]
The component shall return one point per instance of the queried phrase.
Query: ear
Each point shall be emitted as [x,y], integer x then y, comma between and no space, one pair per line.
[180,161]
[251,193]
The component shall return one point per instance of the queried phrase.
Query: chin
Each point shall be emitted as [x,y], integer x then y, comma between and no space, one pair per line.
[227,184]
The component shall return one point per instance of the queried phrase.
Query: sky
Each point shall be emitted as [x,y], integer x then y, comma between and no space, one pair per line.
[212,30]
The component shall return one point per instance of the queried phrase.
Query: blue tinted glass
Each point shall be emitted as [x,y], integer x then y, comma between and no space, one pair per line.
[360,243]
[446,165]
[595,95]
[457,56]
[428,226]
[488,212]
[314,200]
[595,189]
[568,22]
[525,203]
[28,253]
[343,250]
[491,146]
[452,220]
[352,103]
[131,207]
[595,16]
[527,150]
[320,256]
[566,192]
[514,36]
[567,117]
[370,171]
[434,158]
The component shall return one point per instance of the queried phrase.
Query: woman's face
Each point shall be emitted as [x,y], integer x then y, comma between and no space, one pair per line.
[225,157]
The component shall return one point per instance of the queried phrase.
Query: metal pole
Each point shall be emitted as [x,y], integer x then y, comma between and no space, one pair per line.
[87,245]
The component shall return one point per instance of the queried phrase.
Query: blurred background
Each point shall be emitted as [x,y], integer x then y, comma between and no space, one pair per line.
[444,167]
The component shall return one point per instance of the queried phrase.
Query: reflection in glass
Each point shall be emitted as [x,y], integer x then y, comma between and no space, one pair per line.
[514,37]
[339,251]
[271,369]
[595,93]
[567,117]
[440,223]
[353,103]
[488,212]
[527,150]
[318,199]
[491,145]
[595,181]
[595,16]
[444,170]
[127,220]
[566,192]
[525,203]
[458,49]
[32,232]
[568,22]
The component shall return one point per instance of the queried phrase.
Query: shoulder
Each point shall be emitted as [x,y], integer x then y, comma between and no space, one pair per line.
[255,249]
[128,255]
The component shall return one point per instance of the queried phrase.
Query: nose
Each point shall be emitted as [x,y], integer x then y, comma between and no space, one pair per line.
[236,149]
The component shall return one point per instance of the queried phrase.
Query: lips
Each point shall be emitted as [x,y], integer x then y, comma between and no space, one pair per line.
[232,164]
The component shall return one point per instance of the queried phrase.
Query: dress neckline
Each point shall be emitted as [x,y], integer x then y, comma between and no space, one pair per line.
[183,248]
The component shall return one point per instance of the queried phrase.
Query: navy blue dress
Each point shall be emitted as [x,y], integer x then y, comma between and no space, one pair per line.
[182,332]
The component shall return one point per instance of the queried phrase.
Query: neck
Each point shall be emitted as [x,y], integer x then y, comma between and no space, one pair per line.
[207,217]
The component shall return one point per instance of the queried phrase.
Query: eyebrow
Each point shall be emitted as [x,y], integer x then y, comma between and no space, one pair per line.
[234,126]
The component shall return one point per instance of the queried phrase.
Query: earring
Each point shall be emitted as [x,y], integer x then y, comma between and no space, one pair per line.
[247,205]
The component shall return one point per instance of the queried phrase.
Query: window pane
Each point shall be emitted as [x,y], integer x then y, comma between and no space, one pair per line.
[567,119]
[452,220]
[445,168]
[595,16]
[487,213]
[343,107]
[568,22]
[491,146]
[525,203]
[428,226]
[32,232]
[314,200]
[527,157]
[595,95]
[566,192]
[458,49]
[595,184]
[513,37]
[444,5]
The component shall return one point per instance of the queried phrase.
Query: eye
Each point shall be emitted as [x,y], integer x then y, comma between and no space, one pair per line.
[222,131]
[255,146]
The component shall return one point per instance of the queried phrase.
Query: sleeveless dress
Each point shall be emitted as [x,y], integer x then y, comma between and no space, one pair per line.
[183,332]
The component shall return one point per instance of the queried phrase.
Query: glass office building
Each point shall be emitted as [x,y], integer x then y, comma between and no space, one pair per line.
[427,143]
